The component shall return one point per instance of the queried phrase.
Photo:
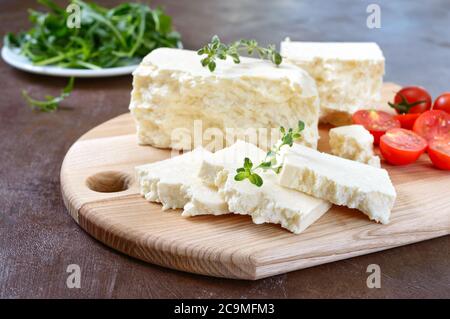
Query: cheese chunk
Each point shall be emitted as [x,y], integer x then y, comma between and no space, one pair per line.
[353,142]
[204,200]
[340,181]
[232,157]
[177,103]
[269,203]
[174,184]
[349,76]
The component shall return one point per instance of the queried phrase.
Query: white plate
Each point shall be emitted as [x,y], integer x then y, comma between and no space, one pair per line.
[15,59]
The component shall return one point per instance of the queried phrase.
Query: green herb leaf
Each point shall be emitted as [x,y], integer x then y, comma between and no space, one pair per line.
[256,179]
[212,66]
[276,58]
[267,164]
[247,163]
[240,176]
[50,103]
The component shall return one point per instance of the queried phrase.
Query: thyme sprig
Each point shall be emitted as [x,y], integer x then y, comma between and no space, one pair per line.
[218,50]
[270,162]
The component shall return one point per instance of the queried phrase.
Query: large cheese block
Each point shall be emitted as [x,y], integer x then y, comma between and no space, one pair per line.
[177,103]
[340,181]
[349,76]
[270,203]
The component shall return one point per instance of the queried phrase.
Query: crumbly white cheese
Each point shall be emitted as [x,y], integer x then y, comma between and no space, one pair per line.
[204,200]
[174,184]
[172,93]
[353,142]
[232,156]
[340,181]
[349,76]
[269,203]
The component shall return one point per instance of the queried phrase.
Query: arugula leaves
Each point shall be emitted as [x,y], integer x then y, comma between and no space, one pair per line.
[270,162]
[107,37]
[218,50]
[50,103]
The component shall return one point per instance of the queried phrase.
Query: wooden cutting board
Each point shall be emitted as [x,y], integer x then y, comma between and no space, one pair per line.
[101,194]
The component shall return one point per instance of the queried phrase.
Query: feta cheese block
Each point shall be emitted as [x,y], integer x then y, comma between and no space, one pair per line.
[174,184]
[177,103]
[353,142]
[340,181]
[349,76]
[270,203]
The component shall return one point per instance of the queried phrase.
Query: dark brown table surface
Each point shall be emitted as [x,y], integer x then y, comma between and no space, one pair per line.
[38,238]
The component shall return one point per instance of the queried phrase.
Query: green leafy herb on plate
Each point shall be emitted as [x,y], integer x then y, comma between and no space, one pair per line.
[107,38]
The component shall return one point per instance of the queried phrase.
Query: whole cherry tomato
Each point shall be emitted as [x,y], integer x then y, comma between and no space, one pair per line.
[442,102]
[411,99]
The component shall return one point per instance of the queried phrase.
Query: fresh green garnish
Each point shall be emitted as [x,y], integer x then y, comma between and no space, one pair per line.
[218,50]
[270,162]
[106,37]
[51,103]
[248,172]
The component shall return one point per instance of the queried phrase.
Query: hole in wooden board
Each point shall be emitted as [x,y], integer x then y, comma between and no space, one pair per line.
[108,182]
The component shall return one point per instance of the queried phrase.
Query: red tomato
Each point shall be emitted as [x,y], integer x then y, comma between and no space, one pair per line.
[401,147]
[411,99]
[442,102]
[407,120]
[376,122]
[439,152]
[433,123]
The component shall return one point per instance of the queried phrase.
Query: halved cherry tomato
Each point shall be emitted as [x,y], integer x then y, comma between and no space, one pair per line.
[439,152]
[407,120]
[376,122]
[401,147]
[411,99]
[442,102]
[433,123]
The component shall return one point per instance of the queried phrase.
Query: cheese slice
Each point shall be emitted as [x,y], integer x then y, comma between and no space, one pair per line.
[174,184]
[269,203]
[232,156]
[204,200]
[340,181]
[353,142]
[179,104]
[349,76]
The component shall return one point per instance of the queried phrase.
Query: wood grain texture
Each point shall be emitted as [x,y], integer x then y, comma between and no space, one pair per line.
[206,245]
[39,239]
